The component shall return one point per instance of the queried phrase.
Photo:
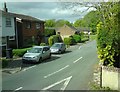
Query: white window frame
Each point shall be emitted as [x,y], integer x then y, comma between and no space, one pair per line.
[11,37]
[38,25]
[8,22]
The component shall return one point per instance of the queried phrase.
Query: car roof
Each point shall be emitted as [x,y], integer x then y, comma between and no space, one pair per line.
[39,46]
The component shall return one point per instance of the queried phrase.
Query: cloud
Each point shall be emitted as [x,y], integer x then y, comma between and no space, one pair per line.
[44,10]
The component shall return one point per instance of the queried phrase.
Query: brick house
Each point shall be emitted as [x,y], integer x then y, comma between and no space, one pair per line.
[20,30]
[66,31]
[29,30]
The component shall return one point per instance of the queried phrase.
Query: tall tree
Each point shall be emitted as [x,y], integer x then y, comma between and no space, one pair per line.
[50,23]
[60,23]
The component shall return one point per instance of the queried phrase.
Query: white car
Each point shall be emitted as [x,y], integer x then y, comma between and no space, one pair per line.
[58,48]
[37,54]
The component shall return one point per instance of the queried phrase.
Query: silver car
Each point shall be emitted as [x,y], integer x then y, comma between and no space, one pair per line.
[37,54]
[58,48]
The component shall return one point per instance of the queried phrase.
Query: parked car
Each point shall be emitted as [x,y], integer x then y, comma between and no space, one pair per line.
[58,48]
[37,54]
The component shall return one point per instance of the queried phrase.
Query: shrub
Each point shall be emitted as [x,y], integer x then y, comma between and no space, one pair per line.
[43,44]
[54,39]
[108,46]
[4,62]
[69,41]
[20,52]
[49,32]
[50,40]
[77,38]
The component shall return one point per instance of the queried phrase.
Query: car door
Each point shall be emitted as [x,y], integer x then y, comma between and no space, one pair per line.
[45,52]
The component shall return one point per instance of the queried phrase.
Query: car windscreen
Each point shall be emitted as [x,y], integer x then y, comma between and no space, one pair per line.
[35,50]
[56,45]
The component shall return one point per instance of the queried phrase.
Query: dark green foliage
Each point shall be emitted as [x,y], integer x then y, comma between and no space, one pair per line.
[20,52]
[54,39]
[49,32]
[50,23]
[4,62]
[108,35]
[90,20]
[77,38]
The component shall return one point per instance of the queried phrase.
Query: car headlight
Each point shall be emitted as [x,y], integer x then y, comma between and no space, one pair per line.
[34,57]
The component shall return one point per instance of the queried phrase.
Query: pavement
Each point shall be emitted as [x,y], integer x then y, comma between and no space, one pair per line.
[72,70]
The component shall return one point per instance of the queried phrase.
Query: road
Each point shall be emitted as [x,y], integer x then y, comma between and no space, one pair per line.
[70,71]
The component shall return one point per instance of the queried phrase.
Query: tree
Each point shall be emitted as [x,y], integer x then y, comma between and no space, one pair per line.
[90,20]
[60,23]
[50,23]
[108,34]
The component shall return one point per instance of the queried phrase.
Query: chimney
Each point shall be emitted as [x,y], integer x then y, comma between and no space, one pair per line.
[5,7]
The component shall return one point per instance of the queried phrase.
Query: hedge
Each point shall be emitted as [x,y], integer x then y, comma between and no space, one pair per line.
[77,38]
[20,52]
[4,62]
[69,41]
[108,46]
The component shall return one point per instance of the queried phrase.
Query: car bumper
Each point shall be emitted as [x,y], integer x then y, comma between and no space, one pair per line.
[28,61]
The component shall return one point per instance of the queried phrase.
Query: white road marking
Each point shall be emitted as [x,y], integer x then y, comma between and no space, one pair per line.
[56,71]
[67,80]
[28,68]
[18,88]
[77,60]
[80,47]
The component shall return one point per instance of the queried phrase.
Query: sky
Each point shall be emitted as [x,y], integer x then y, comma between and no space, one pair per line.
[47,10]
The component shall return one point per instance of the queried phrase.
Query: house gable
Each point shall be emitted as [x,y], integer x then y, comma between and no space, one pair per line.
[66,31]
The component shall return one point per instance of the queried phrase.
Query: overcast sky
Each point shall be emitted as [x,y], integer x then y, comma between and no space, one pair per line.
[45,10]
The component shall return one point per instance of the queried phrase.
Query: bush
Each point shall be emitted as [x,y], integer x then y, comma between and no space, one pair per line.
[54,39]
[69,41]
[4,62]
[108,46]
[20,52]
[43,44]
[77,38]
[49,32]
[50,40]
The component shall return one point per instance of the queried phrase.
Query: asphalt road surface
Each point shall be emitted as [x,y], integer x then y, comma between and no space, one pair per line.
[69,71]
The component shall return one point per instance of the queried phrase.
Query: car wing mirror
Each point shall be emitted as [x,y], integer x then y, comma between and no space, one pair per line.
[43,52]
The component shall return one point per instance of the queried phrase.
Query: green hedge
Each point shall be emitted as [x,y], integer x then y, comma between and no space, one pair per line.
[69,41]
[54,39]
[20,52]
[77,38]
[108,43]
[4,62]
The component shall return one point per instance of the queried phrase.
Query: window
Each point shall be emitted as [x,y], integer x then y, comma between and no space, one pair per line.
[37,25]
[8,22]
[28,25]
[11,37]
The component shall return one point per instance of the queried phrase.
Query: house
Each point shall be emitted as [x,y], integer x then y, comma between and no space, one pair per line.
[85,30]
[7,23]
[66,31]
[20,30]
[29,30]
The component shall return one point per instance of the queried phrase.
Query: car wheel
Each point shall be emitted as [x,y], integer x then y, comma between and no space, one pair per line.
[60,51]
[40,59]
